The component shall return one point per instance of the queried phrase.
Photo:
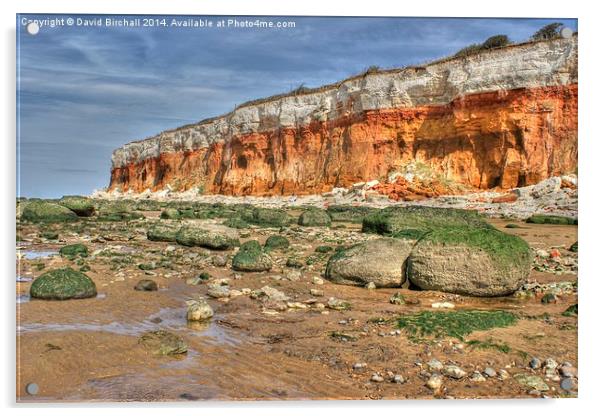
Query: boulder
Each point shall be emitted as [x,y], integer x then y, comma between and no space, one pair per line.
[266,217]
[251,258]
[163,343]
[74,250]
[414,221]
[40,211]
[63,284]
[381,261]
[470,261]
[314,218]
[275,242]
[82,206]
[162,232]
[170,214]
[216,237]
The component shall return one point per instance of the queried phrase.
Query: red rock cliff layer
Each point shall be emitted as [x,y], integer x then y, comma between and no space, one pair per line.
[495,139]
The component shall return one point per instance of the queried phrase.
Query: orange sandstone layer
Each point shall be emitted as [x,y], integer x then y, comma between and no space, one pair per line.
[504,139]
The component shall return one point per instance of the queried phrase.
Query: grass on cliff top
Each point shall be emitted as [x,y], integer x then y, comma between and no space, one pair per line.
[456,324]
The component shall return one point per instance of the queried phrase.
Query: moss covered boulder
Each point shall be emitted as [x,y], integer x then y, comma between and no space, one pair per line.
[74,250]
[348,213]
[381,261]
[41,211]
[551,219]
[314,218]
[63,284]
[119,211]
[266,217]
[414,222]
[82,206]
[214,237]
[170,214]
[162,232]
[470,261]
[276,242]
[251,258]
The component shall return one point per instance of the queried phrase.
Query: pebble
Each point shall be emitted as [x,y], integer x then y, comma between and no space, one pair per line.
[317,281]
[435,382]
[503,374]
[370,286]
[454,371]
[568,371]
[219,261]
[535,363]
[398,378]
[377,378]
[359,366]
[490,372]
[568,384]
[218,291]
[477,377]
[316,292]
[435,365]
[443,305]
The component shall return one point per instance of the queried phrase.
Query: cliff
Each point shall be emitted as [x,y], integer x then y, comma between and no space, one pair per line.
[503,118]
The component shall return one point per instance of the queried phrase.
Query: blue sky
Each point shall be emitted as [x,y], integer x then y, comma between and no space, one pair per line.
[83,92]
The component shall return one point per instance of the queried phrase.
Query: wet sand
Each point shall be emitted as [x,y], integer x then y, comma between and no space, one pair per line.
[87,350]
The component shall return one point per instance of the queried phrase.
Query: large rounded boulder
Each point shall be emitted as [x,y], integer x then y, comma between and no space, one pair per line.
[82,206]
[63,284]
[469,261]
[251,258]
[41,211]
[380,261]
[215,237]
[314,218]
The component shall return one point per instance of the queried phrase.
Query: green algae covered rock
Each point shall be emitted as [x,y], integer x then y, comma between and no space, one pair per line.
[63,284]
[41,211]
[251,258]
[162,232]
[470,261]
[82,206]
[314,218]
[214,237]
[266,217]
[74,250]
[275,242]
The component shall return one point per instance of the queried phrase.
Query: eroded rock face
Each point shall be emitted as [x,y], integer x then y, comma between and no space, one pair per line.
[380,261]
[506,117]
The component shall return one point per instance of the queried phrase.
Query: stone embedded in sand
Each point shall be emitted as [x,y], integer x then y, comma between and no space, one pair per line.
[216,237]
[314,218]
[470,261]
[74,250]
[198,310]
[163,343]
[381,261]
[146,285]
[251,258]
[40,211]
[82,206]
[531,381]
[63,284]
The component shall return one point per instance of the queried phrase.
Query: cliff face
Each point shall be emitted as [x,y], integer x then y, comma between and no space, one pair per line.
[505,118]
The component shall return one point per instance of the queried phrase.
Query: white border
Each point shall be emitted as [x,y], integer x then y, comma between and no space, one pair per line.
[590,152]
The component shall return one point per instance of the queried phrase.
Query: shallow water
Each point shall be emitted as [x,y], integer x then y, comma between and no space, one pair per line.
[23,299]
[171,319]
[33,255]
